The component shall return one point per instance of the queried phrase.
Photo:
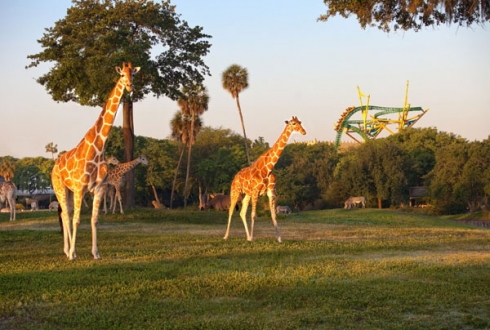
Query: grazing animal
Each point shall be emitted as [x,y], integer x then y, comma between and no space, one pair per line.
[84,169]
[53,206]
[115,179]
[283,209]
[8,192]
[257,179]
[354,202]
[219,202]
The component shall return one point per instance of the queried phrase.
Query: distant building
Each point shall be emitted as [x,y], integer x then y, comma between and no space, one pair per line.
[417,193]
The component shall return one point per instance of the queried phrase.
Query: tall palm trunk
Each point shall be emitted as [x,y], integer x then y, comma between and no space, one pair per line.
[175,176]
[243,128]
[189,151]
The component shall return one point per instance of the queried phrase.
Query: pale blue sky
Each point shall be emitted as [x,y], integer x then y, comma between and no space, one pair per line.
[297,66]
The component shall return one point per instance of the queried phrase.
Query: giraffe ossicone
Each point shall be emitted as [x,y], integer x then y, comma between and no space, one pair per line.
[258,179]
[84,168]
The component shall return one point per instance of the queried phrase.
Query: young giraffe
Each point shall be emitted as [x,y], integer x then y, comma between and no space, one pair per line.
[8,192]
[258,179]
[115,178]
[84,169]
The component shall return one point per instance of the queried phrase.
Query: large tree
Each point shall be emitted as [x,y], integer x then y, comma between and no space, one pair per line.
[235,80]
[410,14]
[97,35]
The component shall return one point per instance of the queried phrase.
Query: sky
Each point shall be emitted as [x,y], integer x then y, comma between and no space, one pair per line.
[297,66]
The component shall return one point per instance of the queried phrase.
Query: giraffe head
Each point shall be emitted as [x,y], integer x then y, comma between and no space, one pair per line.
[112,160]
[127,72]
[143,160]
[295,125]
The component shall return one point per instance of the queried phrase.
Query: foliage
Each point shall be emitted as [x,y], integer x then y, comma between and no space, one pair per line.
[7,167]
[218,158]
[33,173]
[303,174]
[461,174]
[411,14]
[97,35]
[159,172]
[362,269]
[308,176]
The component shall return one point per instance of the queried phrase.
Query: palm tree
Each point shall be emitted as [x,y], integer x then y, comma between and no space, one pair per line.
[193,102]
[180,126]
[235,80]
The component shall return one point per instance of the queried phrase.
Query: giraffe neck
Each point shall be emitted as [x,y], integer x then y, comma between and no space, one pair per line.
[96,136]
[275,152]
[126,167]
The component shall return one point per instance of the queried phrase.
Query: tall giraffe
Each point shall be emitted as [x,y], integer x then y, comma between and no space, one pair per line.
[115,179]
[84,169]
[8,192]
[257,179]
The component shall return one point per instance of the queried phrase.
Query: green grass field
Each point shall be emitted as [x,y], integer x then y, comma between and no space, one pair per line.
[337,269]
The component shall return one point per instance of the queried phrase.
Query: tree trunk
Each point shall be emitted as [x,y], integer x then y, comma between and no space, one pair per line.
[157,200]
[380,203]
[175,176]
[128,133]
[243,128]
[189,151]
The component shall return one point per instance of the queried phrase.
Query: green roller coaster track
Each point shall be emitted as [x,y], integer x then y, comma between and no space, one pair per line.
[371,125]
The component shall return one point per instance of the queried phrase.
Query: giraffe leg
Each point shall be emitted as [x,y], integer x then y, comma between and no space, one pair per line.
[11,201]
[63,194]
[114,200]
[106,192]
[65,217]
[255,197]
[243,215]
[118,198]
[98,193]
[77,205]
[111,192]
[233,201]
[271,193]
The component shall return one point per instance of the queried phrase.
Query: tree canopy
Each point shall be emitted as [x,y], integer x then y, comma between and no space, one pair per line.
[97,35]
[409,14]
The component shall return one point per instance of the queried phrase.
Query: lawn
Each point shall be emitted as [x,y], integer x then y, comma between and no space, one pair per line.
[336,269]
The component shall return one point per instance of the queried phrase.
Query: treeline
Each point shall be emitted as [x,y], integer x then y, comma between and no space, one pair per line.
[456,171]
